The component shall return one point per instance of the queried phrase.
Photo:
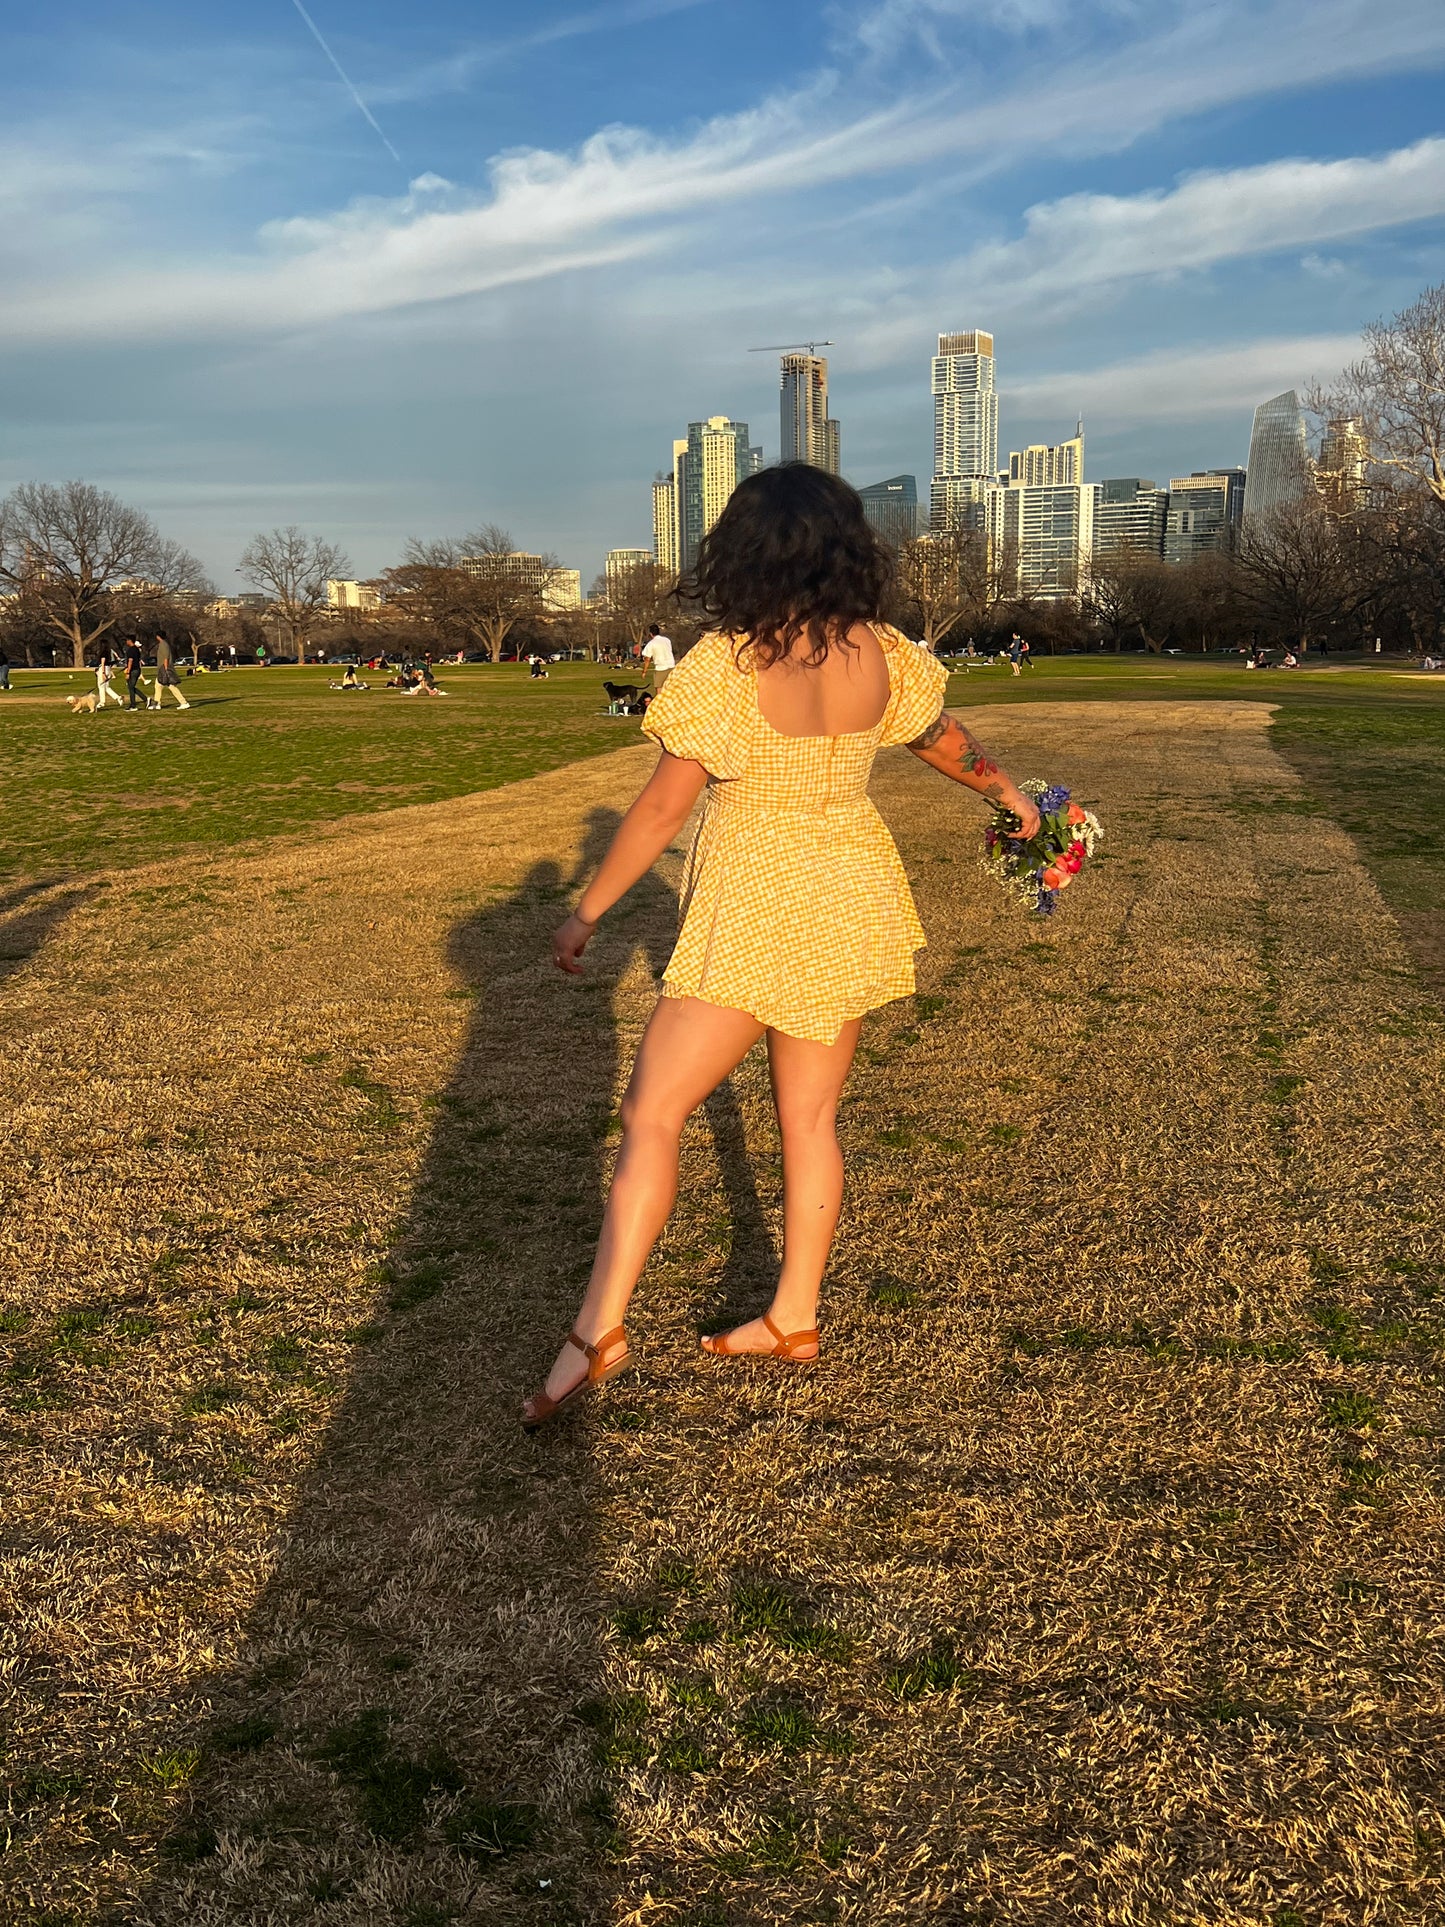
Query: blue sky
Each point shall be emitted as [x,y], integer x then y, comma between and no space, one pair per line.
[230,299]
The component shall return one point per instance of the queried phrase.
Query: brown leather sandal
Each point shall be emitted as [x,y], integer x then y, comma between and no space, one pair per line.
[785,1347]
[545,1409]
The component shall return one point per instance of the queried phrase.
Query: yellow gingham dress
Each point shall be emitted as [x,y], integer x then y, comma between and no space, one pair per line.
[795,906]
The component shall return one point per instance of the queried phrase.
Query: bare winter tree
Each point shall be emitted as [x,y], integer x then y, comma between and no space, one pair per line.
[66,549]
[1292,573]
[639,596]
[1109,593]
[472,590]
[1394,551]
[1397,391]
[956,577]
[293,568]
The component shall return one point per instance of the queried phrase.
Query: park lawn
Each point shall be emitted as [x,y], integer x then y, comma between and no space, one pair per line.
[271,752]
[267,752]
[1091,1576]
[1369,744]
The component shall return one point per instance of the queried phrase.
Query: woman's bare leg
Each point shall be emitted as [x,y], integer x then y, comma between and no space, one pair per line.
[689,1047]
[808,1080]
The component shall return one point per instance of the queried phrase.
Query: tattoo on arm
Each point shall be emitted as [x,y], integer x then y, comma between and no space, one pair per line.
[973,757]
[964,747]
[935,731]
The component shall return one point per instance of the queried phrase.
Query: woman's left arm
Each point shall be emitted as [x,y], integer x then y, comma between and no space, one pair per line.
[954,751]
[644,833]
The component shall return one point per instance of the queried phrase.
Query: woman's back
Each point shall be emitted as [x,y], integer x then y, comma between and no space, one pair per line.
[843,695]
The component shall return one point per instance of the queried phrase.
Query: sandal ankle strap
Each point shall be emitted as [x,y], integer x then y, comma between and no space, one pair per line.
[595,1352]
[787,1340]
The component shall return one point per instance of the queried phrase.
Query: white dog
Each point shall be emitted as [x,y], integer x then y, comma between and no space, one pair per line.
[83,703]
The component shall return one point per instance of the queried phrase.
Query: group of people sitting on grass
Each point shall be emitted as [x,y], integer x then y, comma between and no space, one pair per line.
[412,679]
[415,679]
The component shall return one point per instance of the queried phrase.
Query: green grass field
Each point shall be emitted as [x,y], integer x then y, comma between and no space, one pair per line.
[266,752]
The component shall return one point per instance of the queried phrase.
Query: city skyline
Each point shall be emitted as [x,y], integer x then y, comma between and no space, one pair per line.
[227,301]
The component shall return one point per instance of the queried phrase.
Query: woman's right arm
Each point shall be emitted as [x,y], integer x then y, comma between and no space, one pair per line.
[955,752]
[644,833]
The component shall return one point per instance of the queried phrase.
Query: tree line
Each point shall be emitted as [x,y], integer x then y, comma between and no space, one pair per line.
[79,569]
[1349,566]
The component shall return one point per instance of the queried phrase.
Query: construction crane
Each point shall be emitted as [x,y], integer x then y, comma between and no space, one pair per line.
[790,347]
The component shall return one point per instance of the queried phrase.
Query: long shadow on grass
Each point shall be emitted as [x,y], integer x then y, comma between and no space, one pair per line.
[414,1723]
[30,913]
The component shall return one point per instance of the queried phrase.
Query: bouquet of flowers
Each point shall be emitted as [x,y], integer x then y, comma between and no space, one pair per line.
[1036,868]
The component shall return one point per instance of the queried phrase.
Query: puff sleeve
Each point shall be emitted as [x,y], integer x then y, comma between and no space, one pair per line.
[706,709]
[917,681]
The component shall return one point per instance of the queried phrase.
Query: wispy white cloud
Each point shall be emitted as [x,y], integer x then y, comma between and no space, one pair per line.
[1184,383]
[1087,239]
[625,193]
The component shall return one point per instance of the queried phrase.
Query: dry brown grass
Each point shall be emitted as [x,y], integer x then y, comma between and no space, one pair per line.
[1093,1575]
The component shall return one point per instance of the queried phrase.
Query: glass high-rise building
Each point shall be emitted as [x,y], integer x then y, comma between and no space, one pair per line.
[1279,462]
[1042,537]
[1204,515]
[1130,515]
[809,433]
[1344,465]
[965,426]
[892,507]
[718,456]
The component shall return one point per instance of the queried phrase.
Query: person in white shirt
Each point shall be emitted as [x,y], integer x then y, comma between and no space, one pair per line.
[656,652]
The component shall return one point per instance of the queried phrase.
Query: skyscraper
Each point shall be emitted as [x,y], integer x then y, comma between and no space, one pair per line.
[1044,466]
[717,456]
[965,426]
[1279,463]
[1204,515]
[1129,517]
[892,507]
[668,497]
[1042,537]
[809,433]
[664,524]
[621,565]
[1344,464]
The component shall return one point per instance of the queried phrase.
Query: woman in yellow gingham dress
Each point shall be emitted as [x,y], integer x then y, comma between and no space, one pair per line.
[797,918]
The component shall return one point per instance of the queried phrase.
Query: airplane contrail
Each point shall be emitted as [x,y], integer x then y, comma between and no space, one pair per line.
[348,83]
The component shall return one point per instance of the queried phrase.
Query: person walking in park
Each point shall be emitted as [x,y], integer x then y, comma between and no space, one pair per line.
[797,918]
[166,677]
[133,660]
[4,670]
[657,652]
[105,689]
[1018,649]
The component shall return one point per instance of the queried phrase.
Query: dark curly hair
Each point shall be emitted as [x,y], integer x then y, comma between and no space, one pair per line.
[792,554]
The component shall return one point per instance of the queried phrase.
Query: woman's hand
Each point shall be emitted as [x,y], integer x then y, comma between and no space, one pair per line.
[569,942]
[1027,811]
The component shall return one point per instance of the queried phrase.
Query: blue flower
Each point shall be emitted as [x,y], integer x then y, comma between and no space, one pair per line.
[1052,799]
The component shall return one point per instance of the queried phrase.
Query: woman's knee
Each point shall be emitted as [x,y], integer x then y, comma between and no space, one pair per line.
[643,1116]
[808,1123]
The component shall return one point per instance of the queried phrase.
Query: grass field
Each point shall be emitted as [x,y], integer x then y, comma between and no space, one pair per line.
[1092,1576]
[273,752]
[268,752]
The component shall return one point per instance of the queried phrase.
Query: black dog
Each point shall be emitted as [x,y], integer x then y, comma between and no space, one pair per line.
[620,692]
